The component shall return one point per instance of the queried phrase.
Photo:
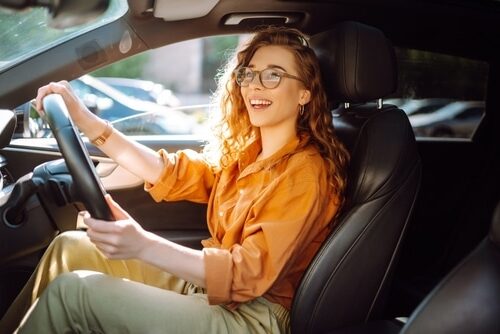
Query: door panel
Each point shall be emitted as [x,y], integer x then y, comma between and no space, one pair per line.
[452,214]
[183,221]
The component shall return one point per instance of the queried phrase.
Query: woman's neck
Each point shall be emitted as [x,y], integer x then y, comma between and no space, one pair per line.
[272,141]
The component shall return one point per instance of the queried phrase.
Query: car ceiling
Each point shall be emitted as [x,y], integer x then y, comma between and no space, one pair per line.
[463,28]
[468,28]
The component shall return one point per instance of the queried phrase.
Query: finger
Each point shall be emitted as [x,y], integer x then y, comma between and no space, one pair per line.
[118,212]
[51,88]
[102,226]
[41,93]
[84,214]
[108,250]
[105,238]
[60,88]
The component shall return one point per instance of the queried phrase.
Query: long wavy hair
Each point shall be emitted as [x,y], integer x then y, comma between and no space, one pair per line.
[233,130]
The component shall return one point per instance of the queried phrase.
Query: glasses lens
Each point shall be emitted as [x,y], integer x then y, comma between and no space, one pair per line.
[270,78]
[244,76]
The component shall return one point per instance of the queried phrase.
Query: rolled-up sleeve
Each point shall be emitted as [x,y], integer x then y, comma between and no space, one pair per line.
[281,225]
[186,176]
[219,275]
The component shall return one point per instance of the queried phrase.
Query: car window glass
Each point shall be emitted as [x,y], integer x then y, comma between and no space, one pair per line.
[442,95]
[28,33]
[471,113]
[166,91]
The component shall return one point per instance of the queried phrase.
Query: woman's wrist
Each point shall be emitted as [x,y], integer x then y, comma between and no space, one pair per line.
[93,127]
[150,244]
[101,139]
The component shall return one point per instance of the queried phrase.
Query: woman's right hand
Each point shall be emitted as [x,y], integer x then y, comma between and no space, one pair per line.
[83,118]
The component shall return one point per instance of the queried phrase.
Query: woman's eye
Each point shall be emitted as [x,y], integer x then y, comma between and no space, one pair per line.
[273,75]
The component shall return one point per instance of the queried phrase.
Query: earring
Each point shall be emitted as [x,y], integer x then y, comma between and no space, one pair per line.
[301,109]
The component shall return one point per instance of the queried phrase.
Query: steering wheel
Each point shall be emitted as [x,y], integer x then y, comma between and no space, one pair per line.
[87,183]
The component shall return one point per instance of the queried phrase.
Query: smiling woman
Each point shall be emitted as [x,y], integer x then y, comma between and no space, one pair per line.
[275,148]
[396,237]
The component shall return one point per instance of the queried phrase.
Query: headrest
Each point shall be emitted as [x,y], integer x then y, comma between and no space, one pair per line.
[358,63]
[495,226]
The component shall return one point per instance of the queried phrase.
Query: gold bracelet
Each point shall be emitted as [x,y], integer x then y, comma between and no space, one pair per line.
[104,135]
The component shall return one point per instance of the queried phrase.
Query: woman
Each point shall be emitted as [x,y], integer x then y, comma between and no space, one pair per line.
[273,177]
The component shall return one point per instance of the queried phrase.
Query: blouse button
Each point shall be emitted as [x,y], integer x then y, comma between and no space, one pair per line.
[221,213]
[241,191]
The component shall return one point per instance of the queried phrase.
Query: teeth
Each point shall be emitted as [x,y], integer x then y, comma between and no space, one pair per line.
[260,102]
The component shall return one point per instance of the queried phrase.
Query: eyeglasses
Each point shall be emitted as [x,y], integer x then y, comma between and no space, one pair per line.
[269,78]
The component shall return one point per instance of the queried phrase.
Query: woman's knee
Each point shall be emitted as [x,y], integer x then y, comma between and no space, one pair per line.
[63,305]
[65,287]
[71,241]
[66,281]
[70,285]
[70,238]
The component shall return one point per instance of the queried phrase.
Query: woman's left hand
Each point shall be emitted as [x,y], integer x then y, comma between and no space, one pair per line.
[121,239]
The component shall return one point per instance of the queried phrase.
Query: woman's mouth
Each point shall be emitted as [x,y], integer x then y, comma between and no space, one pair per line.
[260,103]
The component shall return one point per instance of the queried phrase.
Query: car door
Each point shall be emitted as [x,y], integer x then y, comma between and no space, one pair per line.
[43,214]
[451,213]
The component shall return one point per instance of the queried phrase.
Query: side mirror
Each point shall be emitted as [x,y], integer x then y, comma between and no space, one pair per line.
[7,126]
[64,13]
[28,123]
[22,115]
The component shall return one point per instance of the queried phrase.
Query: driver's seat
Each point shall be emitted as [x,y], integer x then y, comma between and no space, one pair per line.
[347,281]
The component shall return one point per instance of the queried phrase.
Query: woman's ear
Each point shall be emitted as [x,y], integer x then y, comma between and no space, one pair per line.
[305,96]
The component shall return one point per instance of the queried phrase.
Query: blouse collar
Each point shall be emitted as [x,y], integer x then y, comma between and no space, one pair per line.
[248,164]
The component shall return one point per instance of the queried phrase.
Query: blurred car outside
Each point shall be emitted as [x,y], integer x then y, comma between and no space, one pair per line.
[108,102]
[457,119]
[419,106]
[143,90]
[397,101]
[118,108]
[158,123]
[111,104]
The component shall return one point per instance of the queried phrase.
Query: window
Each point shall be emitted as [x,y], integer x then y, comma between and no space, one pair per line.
[442,95]
[165,91]
[27,34]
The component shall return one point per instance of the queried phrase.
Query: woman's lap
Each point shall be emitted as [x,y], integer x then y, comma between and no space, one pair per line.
[73,250]
[99,294]
[86,302]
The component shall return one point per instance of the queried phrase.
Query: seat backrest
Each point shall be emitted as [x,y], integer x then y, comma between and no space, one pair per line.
[467,300]
[347,280]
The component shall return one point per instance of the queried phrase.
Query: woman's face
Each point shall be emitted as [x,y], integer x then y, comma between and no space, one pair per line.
[277,108]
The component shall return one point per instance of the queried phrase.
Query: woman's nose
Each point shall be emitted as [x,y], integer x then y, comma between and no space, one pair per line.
[255,82]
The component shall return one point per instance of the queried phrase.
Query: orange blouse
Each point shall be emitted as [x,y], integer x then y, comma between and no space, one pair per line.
[266,218]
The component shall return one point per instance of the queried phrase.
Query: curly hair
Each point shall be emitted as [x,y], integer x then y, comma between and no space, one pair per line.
[233,130]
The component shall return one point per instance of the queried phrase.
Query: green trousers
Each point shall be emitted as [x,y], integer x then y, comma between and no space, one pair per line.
[75,289]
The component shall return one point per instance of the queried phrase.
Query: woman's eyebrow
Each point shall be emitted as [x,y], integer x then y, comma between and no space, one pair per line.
[269,66]
[276,66]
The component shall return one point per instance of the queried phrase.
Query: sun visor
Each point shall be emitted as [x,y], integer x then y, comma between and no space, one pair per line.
[173,10]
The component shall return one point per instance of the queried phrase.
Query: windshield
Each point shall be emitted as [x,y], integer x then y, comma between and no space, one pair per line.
[26,33]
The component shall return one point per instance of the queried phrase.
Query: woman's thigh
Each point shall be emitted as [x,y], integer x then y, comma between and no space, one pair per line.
[92,302]
[73,250]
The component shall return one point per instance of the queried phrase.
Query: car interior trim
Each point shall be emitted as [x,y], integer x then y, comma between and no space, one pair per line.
[170,10]
[236,19]
[119,178]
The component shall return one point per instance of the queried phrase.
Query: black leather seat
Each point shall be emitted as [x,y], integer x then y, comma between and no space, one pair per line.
[467,300]
[347,281]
